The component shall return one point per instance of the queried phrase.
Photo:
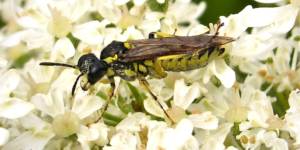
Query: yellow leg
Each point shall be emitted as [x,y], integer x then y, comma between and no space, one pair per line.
[109,96]
[145,84]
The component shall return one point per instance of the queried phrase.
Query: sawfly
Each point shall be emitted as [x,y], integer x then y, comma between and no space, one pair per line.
[137,59]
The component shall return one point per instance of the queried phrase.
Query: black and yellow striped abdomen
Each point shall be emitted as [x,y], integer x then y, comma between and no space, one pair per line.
[156,68]
[187,63]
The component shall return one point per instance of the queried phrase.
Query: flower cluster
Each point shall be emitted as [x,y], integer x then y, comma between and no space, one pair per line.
[247,98]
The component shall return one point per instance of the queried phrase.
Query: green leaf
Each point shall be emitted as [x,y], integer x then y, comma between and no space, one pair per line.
[215,81]
[110,123]
[124,106]
[112,117]
[158,7]
[137,96]
[235,132]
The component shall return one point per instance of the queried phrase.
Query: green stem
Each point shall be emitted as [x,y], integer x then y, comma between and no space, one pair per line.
[112,117]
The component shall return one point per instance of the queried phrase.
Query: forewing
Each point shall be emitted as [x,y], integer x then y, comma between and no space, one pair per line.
[178,45]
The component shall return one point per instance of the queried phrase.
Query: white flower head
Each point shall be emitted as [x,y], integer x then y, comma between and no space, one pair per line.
[12,107]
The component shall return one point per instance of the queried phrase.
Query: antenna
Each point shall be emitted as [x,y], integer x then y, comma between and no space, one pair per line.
[74,86]
[57,64]
[65,65]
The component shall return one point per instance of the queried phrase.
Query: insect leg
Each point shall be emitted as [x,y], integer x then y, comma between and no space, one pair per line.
[151,35]
[109,96]
[145,84]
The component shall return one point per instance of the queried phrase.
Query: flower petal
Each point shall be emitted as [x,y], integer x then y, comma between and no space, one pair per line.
[63,47]
[191,144]
[159,136]
[15,108]
[78,9]
[134,122]
[125,141]
[138,2]
[32,19]
[35,38]
[252,47]
[121,2]
[233,24]
[103,130]
[268,1]
[152,107]
[9,81]
[27,140]
[185,95]
[204,120]
[85,104]
[261,16]
[133,34]
[286,21]
[87,134]
[52,104]
[13,39]
[66,78]
[183,132]
[223,72]
[294,98]
[4,136]
[88,32]
[110,11]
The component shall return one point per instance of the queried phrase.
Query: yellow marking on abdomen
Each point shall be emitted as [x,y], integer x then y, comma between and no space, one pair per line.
[149,63]
[142,68]
[213,55]
[135,65]
[182,64]
[202,60]
[130,72]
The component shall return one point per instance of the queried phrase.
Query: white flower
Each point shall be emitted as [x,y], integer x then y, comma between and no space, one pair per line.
[213,139]
[278,20]
[169,138]
[159,136]
[151,22]
[214,101]
[12,107]
[37,135]
[257,136]
[185,95]
[110,11]
[133,122]
[67,122]
[43,29]
[292,125]
[122,141]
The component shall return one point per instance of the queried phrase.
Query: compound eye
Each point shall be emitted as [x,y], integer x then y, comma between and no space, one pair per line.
[96,71]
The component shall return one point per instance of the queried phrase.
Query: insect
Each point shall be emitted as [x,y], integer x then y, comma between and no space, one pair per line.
[137,59]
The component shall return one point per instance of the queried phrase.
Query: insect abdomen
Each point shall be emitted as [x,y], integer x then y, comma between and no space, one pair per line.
[190,62]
